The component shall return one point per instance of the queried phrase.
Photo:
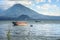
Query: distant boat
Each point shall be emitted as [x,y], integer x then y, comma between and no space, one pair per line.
[20,23]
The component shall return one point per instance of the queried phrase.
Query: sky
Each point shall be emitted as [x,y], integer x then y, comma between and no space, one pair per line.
[45,7]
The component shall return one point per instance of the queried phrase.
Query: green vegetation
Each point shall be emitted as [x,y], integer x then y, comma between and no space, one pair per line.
[8,35]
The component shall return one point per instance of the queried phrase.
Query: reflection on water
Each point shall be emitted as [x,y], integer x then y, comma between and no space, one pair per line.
[38,31]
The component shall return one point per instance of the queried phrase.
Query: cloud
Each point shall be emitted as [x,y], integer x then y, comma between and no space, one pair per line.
[18,0]
[48,9]
[58,0]
[6,4]
[27,3]
[40,1]
[49,1]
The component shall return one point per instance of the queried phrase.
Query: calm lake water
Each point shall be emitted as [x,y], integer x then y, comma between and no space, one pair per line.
[39,31]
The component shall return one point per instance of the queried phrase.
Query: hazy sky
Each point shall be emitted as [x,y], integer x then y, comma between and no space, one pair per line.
[46,7]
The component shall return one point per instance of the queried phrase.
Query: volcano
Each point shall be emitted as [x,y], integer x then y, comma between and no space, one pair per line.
[21,12]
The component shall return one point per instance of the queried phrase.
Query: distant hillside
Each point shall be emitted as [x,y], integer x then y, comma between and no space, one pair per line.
[6,18]
[1,11]
[20,12]
[24,17]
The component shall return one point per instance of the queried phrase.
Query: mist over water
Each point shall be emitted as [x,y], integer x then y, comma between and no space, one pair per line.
[38,31]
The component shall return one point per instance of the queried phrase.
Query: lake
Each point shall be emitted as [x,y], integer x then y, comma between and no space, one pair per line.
[42,30]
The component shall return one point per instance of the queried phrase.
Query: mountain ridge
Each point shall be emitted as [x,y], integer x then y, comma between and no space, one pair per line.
[17,10]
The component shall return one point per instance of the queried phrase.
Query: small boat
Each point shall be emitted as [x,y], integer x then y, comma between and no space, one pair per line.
[20,23]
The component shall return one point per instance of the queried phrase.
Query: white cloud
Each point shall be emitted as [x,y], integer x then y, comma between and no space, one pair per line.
[38,7]
[48,9]
[57,0]
[18,0]
[37,1]
[6,4]
[27,3]
[49,1]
